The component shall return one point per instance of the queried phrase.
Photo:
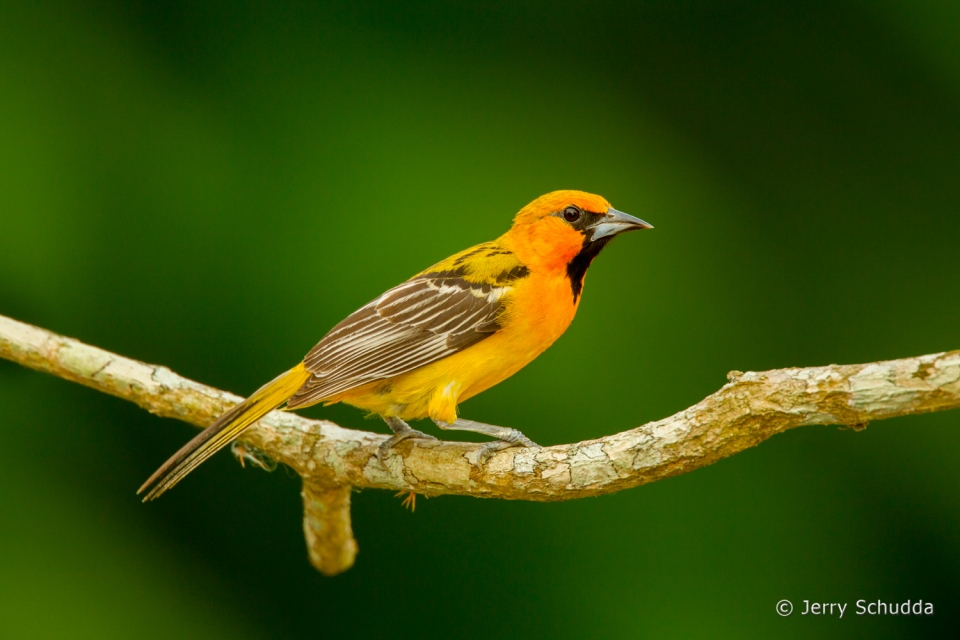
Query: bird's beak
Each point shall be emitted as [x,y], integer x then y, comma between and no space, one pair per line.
[616,222]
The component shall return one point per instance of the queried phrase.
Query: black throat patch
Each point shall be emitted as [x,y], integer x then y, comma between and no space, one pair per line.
[577,268]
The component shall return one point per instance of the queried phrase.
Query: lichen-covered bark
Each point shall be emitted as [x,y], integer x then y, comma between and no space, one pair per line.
[749,409]
[327,528]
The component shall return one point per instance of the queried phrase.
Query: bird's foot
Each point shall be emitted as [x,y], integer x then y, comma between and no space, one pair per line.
[512,439]
[401,431]
[506,437]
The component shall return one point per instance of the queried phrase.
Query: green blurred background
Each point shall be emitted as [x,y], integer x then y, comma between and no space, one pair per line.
[212,186]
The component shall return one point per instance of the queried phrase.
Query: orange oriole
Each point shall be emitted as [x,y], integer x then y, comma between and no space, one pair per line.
[443,336]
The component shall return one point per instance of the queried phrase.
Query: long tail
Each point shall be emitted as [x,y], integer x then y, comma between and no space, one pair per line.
[222,432]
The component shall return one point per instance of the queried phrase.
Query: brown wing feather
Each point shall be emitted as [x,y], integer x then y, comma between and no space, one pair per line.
[414,324]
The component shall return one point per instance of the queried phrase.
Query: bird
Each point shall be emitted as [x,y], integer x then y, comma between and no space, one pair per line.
[441,337]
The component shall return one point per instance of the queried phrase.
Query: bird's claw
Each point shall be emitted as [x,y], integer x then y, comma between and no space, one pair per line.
[513,438]
[397,438]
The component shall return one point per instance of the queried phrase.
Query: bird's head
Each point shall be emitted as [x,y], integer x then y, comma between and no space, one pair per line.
[565,230]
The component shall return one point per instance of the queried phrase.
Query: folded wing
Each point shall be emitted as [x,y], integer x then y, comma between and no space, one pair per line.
[414,324]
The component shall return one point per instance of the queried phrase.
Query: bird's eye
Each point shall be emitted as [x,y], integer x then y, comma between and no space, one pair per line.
[572,214]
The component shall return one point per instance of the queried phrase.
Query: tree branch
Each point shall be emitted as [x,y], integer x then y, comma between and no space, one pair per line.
[331,460]
[327,528]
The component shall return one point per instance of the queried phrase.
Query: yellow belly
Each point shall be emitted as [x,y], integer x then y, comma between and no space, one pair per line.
[538,313]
